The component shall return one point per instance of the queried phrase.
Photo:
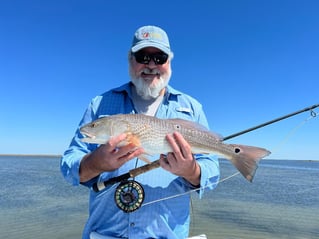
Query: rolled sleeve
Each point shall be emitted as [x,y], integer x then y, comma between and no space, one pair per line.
[70,161]
[210,173]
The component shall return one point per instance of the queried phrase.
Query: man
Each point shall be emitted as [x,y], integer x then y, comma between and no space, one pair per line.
[148,92]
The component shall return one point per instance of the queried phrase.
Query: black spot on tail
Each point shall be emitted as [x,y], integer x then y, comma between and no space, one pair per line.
[237,150]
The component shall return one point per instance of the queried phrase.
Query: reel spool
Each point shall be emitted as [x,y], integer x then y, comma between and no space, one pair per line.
[129,196]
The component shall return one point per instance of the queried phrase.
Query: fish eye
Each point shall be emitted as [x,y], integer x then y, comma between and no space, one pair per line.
[177,126]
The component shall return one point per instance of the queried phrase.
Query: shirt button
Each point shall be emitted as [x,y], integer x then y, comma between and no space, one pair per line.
[132,224]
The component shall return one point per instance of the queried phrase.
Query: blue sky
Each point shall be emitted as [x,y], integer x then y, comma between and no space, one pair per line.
[246,61]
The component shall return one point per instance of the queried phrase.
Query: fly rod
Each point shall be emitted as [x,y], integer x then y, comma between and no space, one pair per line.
[155,164]
[273,121]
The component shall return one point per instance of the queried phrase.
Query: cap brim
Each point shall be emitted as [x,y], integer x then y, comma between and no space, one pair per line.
[142,45]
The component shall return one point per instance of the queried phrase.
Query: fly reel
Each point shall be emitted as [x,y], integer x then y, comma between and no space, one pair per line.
[129,196]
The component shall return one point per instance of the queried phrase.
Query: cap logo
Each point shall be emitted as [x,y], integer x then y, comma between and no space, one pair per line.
[154,35]
[146,35]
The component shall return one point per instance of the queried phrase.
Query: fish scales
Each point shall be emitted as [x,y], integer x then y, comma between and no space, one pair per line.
[148,133]
[152,132]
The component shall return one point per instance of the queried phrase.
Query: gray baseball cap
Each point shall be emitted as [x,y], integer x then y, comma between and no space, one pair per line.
[150,36]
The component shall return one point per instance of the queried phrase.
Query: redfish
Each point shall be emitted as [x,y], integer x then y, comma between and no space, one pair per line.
[150,133]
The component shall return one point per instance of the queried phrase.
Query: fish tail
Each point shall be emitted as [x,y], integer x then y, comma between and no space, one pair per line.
[246,158]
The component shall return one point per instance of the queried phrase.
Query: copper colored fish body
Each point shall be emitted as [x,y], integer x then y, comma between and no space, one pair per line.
[150,133]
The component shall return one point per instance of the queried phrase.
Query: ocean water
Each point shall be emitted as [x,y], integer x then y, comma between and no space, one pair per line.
[282,202]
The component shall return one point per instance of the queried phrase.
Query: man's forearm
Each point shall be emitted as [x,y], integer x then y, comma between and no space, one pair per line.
[87,169]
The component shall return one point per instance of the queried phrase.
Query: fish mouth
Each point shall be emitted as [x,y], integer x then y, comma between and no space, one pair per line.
[87,135]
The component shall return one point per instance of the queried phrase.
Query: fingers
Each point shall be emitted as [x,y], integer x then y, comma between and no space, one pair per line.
[180,146]
[112,144]
[164,163]
[127,153]
[122,153]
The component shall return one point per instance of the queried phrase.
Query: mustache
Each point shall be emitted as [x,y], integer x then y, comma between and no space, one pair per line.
[150,71]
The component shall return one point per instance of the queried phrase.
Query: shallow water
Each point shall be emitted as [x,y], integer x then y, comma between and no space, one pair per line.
[282,202]
[36,202]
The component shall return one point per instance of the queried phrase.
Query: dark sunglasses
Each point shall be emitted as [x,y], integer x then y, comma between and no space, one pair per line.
[159,58]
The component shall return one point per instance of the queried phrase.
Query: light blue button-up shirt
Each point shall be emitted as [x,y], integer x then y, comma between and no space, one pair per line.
[161,215]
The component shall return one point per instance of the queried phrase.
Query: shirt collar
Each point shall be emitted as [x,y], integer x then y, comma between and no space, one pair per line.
[126,88]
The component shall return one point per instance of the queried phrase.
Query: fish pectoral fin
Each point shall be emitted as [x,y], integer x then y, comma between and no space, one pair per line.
[132,139]
[246,159]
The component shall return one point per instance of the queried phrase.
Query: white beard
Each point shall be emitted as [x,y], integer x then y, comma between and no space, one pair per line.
[147,89]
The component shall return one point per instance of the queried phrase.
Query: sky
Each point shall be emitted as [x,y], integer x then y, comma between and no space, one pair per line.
[246,61]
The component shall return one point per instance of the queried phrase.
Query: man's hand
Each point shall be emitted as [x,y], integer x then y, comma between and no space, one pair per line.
[181,161]
[107,157]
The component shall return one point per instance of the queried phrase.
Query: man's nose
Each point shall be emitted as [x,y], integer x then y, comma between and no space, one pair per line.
[152,64]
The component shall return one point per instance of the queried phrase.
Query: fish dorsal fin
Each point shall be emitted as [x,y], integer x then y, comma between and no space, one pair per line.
[193,125]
